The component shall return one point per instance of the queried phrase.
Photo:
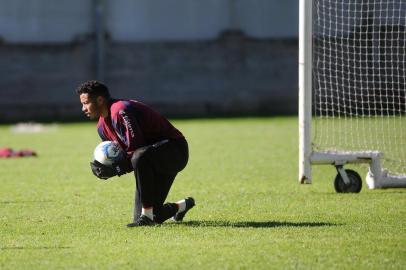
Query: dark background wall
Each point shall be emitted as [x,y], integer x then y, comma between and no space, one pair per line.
[245,63]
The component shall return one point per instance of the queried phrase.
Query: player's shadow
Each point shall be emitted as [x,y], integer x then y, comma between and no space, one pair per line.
[25,202]
[255,224]
[17,248]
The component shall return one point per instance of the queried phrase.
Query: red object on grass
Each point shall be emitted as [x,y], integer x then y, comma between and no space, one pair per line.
[8,152]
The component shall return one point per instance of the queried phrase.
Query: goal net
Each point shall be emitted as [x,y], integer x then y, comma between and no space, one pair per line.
[358,79]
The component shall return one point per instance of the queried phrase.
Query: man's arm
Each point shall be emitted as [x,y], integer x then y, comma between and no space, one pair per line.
[128,129]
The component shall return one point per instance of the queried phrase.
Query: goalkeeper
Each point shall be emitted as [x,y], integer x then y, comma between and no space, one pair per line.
[156,151]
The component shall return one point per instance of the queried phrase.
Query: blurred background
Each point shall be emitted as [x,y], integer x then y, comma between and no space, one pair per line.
[186,58]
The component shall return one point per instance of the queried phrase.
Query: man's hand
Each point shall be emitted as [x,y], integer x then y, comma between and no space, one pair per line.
[102,171]
[122,167]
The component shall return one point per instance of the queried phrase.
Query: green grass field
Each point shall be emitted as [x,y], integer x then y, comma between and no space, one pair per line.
[251,213]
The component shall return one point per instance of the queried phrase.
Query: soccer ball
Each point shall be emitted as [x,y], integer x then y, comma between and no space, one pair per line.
[108,152]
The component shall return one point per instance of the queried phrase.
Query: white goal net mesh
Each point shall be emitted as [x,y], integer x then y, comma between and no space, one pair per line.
[359,78]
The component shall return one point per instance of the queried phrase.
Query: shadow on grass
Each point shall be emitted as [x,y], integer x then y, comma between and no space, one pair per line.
[13,202]
[255,224]
[18,248]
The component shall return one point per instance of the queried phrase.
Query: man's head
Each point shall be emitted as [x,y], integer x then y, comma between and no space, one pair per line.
[94,97]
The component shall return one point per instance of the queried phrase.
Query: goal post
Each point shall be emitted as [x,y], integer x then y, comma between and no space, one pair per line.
[305,90]
[352,89]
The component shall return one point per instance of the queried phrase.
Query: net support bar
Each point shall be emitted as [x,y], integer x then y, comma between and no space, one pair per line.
[376,177]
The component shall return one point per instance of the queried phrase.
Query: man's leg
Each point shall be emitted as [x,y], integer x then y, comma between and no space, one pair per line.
[137,203]
[163,211]
[155,170]
[143,206]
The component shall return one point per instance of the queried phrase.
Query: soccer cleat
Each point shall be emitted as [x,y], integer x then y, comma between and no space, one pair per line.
[142,221]
[190,203]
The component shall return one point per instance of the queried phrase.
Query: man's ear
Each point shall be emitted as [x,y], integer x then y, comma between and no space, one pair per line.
[100,100]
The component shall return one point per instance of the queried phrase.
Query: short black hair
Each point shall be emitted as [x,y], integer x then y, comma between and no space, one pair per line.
[94,89]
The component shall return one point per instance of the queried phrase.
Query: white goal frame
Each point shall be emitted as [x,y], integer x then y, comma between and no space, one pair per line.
[376,177]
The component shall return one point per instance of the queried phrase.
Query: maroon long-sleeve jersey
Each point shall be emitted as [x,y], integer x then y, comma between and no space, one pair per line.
[133,124]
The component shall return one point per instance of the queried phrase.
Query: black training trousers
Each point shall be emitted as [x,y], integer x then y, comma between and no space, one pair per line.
[155,169]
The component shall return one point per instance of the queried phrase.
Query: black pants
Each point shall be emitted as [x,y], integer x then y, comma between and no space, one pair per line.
[155,169]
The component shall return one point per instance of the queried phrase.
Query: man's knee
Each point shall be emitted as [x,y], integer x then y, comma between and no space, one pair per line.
[139,156]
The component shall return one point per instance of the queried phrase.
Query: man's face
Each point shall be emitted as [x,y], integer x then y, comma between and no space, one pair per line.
[91,106]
